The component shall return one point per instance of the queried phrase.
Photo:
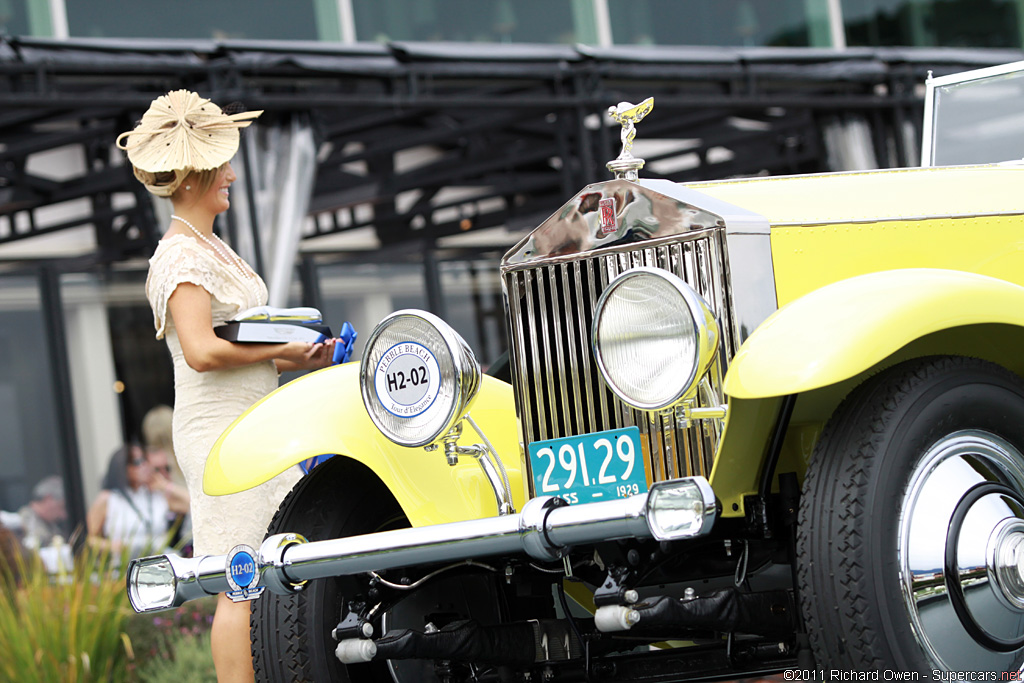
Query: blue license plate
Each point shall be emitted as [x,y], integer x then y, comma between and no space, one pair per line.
[589,468]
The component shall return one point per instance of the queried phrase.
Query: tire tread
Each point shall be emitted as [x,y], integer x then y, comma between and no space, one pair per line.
[329,502]
[838,481]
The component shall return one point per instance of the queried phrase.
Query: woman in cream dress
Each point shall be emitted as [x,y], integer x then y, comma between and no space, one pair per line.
[182,149]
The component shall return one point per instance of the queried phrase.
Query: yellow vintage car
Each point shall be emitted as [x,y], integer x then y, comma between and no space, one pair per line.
[749,426]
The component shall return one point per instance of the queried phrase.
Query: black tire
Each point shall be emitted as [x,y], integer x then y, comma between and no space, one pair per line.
[915,468]
[291,634]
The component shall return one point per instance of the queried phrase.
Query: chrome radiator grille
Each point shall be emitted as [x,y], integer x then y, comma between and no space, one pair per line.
[558,388]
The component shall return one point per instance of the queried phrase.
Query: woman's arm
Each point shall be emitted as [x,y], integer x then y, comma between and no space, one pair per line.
[97,514]
[95,518]
[289,366]
[189,306]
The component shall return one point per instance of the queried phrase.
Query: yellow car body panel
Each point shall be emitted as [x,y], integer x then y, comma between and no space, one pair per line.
[806,258]
[737,465]
[321,413]
[834,226]
[846,327]
[858,198]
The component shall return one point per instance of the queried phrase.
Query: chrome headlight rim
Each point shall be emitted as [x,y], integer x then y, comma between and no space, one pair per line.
[141,592]
[454,349]
[703,508]
[706,337]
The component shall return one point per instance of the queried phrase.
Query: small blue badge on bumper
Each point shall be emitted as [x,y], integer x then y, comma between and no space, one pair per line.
[242,574]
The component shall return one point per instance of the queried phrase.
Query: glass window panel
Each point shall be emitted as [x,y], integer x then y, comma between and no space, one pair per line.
[216,19]
[16,18]
[933,23]
[491,21]
[718,22]
[980,121]
[118,369]
[142,363]
[31,447]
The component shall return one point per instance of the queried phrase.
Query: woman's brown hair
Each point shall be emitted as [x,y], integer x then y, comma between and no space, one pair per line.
[168,183]
[202,181]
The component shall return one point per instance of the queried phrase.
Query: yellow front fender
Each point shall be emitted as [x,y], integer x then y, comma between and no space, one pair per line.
[844,328]
[322,412]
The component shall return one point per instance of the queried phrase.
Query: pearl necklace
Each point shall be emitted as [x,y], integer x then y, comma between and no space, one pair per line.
[227,255]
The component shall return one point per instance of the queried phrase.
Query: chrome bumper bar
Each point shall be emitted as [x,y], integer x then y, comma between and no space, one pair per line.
[544,530]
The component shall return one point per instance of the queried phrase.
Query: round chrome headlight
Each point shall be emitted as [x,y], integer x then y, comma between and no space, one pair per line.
[418,377]
[654,338]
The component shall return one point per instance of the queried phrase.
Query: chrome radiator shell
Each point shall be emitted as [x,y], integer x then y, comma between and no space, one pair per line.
[552,281]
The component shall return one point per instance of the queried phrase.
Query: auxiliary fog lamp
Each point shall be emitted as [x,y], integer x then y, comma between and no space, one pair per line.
[681,508]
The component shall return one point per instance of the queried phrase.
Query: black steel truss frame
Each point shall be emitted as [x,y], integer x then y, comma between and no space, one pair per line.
[516,129]
[401,125]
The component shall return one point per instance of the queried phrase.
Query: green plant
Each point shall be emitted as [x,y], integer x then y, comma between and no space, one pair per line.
[66,627]
[186,660]
[154,635]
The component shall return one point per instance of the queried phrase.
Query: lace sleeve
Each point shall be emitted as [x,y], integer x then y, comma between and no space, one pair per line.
[174,262]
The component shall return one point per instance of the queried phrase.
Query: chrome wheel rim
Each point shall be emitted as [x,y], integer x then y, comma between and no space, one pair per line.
[961,552]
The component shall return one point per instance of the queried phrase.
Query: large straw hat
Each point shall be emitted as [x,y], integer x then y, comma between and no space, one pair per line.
[183,132]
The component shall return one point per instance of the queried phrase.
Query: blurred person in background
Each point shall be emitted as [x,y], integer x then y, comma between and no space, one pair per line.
[157,439]
[156,436]
[132,514]
[39,526]
[43,519]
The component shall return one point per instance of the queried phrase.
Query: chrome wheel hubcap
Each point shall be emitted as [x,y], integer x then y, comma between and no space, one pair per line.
[961,552]
[1006,561]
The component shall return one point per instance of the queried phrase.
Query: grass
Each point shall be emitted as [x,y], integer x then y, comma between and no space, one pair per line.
[67,627]
[163,640]
[77,626]
[186,660]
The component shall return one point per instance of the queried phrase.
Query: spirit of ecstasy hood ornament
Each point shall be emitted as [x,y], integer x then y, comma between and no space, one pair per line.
[626,165]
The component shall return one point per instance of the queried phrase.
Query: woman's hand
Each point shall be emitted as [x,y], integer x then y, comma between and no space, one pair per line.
[177,496]
[306,356]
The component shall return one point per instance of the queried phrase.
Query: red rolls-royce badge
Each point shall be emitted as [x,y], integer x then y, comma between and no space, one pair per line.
[608,223]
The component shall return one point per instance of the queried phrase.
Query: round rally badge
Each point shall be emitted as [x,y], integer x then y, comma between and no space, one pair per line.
[407,379]
[241,569]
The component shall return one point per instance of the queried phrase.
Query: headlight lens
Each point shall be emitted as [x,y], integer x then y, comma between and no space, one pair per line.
[654,338]
[418,377]
[681,508]
[151,583]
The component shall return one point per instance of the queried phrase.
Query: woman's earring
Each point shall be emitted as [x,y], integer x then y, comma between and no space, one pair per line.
[188,187]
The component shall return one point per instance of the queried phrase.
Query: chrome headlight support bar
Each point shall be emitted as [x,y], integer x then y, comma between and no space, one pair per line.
[488,459]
